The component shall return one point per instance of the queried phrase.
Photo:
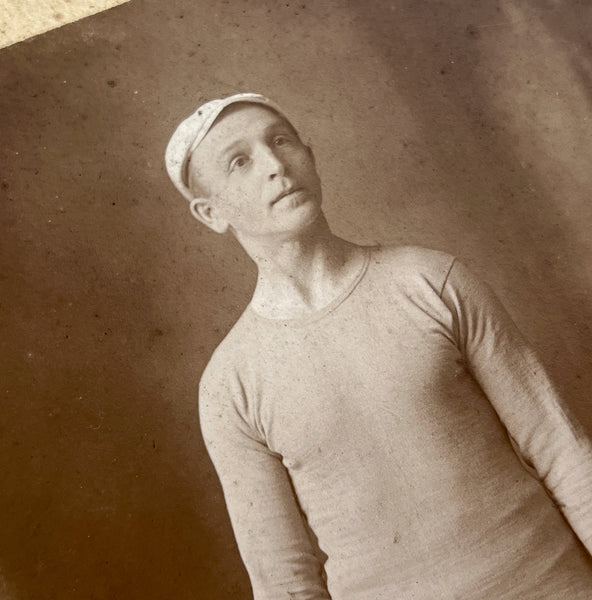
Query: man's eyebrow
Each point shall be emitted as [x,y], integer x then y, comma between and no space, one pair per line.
[282,123]
[231,147]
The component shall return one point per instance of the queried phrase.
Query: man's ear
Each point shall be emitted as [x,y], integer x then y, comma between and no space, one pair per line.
[203,211]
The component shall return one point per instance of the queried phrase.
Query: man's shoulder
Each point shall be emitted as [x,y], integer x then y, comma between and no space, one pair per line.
[414,264]
[230,353]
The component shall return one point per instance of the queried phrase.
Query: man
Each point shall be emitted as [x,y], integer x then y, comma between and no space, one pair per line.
[380,428]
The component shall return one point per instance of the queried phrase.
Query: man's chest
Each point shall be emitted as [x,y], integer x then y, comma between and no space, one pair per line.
[368,386]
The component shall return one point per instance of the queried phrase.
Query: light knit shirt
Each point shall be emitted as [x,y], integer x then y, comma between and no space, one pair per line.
[365,451]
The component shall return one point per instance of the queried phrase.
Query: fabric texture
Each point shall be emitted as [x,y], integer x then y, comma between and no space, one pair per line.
[365,451]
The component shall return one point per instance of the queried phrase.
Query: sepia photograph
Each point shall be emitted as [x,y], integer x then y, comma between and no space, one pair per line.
[296,300]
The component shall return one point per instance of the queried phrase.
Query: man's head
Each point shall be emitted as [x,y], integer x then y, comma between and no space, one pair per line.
[243,167]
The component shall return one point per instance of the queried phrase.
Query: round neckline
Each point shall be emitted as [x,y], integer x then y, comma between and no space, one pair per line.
[321,312]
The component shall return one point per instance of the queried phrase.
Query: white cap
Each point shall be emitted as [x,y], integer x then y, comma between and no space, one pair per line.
[193,130]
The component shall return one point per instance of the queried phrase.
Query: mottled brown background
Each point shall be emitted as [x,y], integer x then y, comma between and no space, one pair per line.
[460,125]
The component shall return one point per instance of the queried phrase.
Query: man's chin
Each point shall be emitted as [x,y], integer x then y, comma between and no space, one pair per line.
[307,223]
[306,220]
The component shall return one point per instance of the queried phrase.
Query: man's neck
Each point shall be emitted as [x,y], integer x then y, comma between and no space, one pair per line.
[301,275]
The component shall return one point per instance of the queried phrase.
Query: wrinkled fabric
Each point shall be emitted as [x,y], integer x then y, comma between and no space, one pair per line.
[377,448]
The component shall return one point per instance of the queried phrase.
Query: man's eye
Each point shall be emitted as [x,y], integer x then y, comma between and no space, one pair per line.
[238,162]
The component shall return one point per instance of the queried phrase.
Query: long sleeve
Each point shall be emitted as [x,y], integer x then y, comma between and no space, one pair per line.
[525,399]
[272,536]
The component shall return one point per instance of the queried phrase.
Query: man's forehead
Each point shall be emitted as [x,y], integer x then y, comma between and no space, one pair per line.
[246,115]
[233,125]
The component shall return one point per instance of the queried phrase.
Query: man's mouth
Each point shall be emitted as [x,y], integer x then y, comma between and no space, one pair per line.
[287,192]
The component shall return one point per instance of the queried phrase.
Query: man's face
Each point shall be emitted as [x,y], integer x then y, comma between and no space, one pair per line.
[259,178]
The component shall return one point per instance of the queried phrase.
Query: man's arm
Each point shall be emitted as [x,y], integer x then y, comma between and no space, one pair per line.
[269,528]
[523,396]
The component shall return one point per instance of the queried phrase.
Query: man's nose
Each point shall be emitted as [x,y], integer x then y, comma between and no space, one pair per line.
[273,164]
